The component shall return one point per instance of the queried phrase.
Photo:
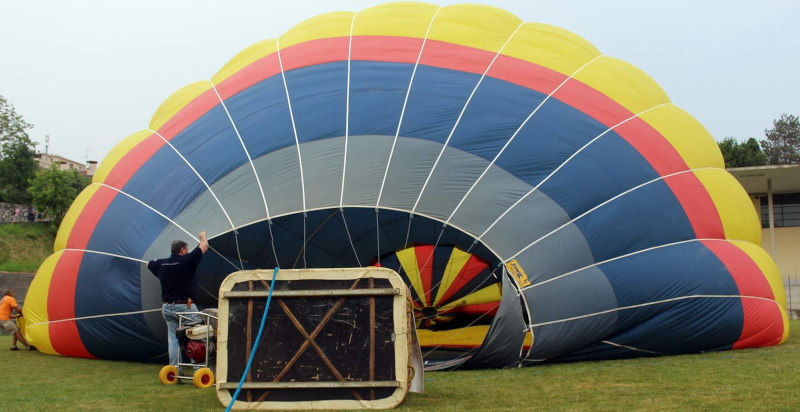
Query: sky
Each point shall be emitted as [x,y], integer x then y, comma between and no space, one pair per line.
[89,73]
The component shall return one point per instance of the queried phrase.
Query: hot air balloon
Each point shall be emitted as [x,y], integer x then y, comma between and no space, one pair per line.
[543,201]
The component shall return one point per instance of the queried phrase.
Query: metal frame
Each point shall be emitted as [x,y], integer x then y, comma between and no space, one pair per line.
[184,317]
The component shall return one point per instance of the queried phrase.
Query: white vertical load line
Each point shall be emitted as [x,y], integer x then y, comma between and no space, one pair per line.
[547,178]
[291,116]
[296,142]
[247,153]
[452,131]
[350,238]
[199,177]
[164,217]
[346,139]
[347,110]
[514,135]
[403,110]
[460,115]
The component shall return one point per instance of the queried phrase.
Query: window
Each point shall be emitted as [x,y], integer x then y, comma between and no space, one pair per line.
[786,210]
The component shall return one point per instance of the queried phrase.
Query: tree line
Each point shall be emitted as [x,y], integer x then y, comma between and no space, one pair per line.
[781,146]
[50,191]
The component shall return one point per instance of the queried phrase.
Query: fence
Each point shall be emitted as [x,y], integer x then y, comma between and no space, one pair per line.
[792,287]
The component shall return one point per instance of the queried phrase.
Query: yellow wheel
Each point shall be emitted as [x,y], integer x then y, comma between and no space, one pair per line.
[168,375]
[203,378]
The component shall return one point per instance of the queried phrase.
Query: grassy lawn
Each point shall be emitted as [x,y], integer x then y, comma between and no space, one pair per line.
[752,379]
[24,246]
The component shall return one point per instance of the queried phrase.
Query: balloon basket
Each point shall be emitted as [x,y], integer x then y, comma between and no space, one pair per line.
[332,339]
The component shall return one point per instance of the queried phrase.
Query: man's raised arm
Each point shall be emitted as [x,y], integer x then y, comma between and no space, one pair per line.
[203,241]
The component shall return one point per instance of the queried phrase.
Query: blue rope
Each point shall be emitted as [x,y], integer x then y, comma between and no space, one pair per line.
[258,339]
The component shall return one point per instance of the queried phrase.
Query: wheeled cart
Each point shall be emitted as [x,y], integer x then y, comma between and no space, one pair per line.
[198,344]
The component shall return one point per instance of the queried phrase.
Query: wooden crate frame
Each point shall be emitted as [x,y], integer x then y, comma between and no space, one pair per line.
[363,284]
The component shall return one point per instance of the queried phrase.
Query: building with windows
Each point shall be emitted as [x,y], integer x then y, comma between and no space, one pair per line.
[775,191]
[45,160]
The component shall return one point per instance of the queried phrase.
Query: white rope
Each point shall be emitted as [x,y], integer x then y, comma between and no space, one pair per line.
[514,135]
[272,242]
[307,239]
[449,136]
[378,235]
[460,115]
[294,127]
[238,252]
[479,286]
[535,188]
[403,110]
[246,152]
[347,109]
[347,230]
[198,176]
[104,253]
[641,305]
[165,218]
[94,317]
[619,257]
[619,345]
[128,258]
[631,190]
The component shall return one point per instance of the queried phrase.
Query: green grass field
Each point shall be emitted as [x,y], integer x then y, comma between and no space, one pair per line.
[24,246]
[764,379]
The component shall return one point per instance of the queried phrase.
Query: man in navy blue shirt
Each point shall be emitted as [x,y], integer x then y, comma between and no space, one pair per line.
[178,287]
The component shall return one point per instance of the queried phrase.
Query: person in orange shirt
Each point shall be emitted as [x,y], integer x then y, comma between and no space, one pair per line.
[7,304]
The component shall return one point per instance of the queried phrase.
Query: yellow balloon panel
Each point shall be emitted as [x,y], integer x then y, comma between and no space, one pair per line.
[739,218]
[117,153]
[36,316]
[623,83]
[686,135]
[552,47]
[481,27]
[395,19]
[177,101]
[245,58]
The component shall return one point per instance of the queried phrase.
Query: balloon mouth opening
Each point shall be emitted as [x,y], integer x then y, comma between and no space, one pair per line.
[453,279]
[429,312]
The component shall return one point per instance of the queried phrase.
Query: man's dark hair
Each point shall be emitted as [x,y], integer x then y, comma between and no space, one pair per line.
[6,292]
[177,245]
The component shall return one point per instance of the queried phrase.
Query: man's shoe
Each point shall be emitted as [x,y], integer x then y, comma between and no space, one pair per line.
[14,348]
[31,347]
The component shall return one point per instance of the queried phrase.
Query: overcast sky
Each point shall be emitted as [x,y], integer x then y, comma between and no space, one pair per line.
[89,73]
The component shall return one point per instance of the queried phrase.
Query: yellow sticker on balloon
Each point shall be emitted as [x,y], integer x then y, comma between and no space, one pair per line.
[516,270]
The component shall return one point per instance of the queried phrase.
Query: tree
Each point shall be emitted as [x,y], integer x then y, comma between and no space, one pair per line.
[783,141]
[742,154]
[53,191]
[17,165]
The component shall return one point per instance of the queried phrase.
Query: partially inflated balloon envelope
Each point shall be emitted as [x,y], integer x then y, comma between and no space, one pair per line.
[544,202]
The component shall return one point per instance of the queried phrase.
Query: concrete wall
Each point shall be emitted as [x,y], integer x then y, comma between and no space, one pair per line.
[18,282]
[793,299]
